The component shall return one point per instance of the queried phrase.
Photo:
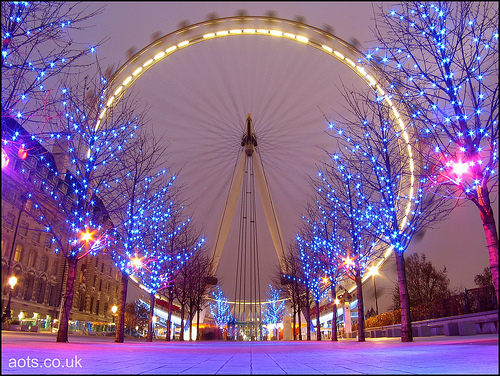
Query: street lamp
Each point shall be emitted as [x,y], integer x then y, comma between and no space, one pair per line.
[12,282]
[113,310]
[373,273]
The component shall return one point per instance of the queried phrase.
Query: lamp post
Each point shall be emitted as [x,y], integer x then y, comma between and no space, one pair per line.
[373,273]
[7,313]
[113,310]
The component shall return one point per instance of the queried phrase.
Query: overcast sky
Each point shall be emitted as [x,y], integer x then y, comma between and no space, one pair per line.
[199,100]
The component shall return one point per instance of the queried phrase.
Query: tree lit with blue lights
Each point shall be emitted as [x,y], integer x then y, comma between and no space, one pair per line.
[442,61]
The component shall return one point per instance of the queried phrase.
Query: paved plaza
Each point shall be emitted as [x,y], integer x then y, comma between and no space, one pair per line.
[38,353]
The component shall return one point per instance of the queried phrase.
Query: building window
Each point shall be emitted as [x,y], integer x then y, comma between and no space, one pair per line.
[23,228]
[44,263]
[102,267]
[100,285]
[97,307]
[32,259]
[9,221]
[28,287]
[40,295]
[82,301]
[18,253]
[36,236]
[55,268]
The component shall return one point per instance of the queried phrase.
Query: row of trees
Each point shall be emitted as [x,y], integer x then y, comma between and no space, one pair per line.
[105,188]
[440,63]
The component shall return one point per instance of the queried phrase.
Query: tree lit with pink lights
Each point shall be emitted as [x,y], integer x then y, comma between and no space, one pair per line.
[378,190]
[442,61]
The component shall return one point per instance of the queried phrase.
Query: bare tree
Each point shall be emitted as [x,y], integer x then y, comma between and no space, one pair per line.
[200,269]
[425,283]
[288,280]
[142,182]
[38,55]
[183,278]
[401,198]
[342,186]
[66,195]
[442,60]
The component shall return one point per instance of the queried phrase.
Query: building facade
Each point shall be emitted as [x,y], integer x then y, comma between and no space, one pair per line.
[29,254]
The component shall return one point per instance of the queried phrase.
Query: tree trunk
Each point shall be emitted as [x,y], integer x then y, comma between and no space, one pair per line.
[197,324]
[300,324]
[294,321]
[120,329]
[406,332]
[67,301]
[181,334]
[151,315]
[169,321]
[490,231]
[318,324]
[334,318]
[361,309]
[190,324]
[308,318]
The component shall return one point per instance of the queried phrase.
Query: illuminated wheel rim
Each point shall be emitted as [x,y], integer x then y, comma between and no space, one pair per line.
[159,50]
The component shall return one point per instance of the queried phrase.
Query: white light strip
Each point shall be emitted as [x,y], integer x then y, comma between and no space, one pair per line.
[339,54]
[159,55]
[361,70]
[352,63]
[137,71]
[302,39]
[182,44]
[110,100]
[127,80]
[329,49]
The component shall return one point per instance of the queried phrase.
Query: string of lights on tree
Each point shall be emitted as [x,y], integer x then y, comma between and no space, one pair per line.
[445,67]
[37,54]
[274,308]
[220,308]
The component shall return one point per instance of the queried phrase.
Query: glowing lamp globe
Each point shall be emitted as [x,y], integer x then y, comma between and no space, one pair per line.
[12,282]
[460,168]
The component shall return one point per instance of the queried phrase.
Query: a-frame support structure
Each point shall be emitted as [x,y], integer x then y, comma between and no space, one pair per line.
[249,143]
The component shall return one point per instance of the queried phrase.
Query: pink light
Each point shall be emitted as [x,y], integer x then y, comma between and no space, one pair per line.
[460,168]
[5,159]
